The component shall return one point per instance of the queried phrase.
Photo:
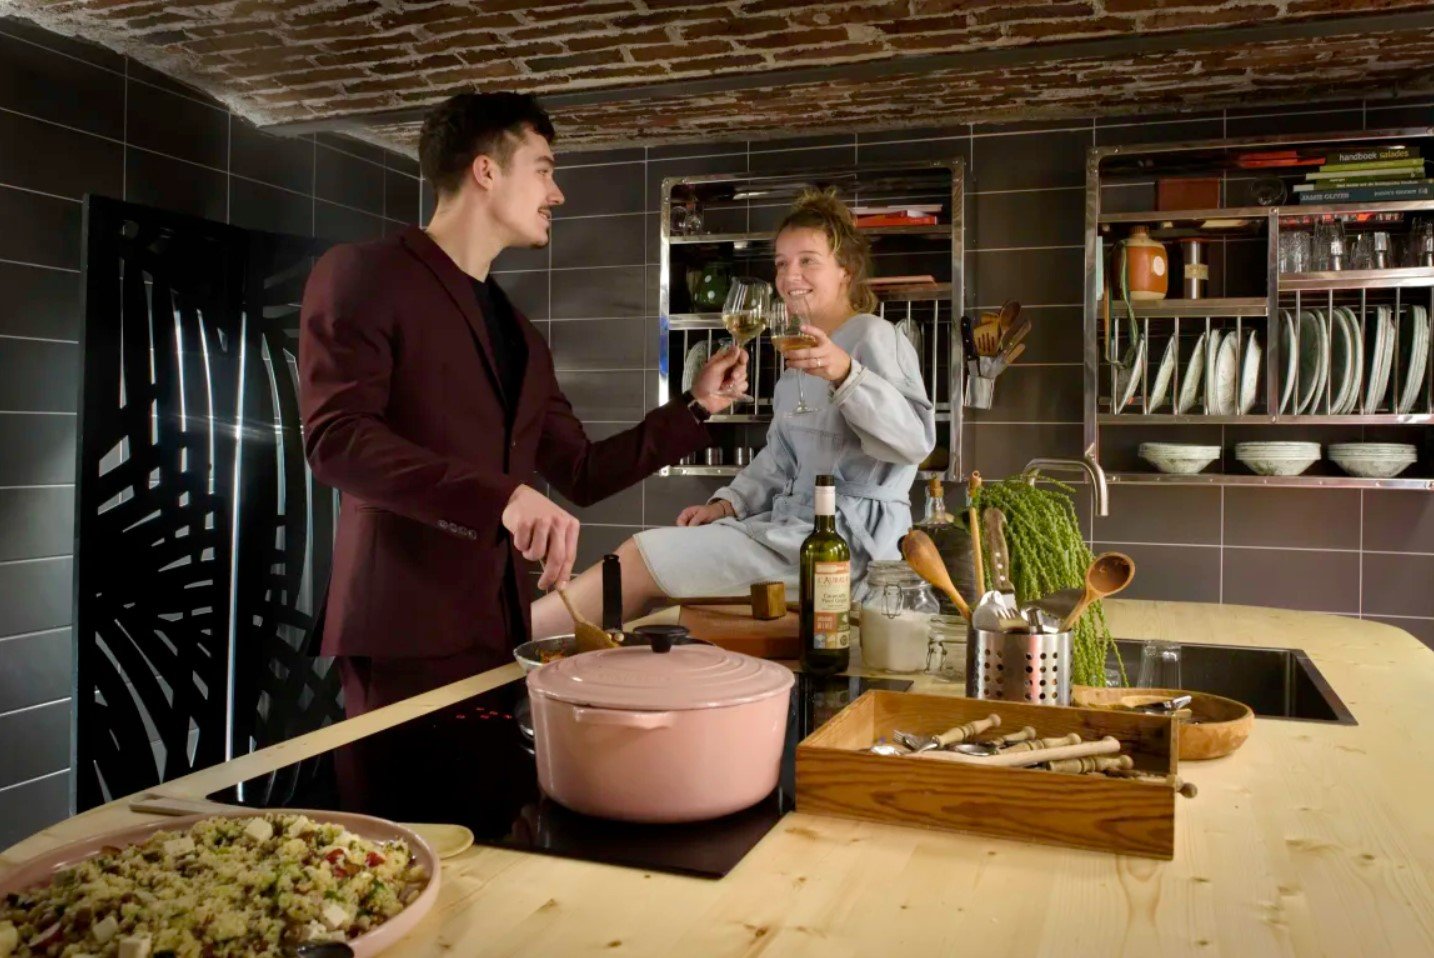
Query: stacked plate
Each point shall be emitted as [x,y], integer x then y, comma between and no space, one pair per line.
[1277,458]
[1181,458]
[1344,367]
[1373,460]
[1413,355]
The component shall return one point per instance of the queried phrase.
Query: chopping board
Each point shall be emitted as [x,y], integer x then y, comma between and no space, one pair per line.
[732,627]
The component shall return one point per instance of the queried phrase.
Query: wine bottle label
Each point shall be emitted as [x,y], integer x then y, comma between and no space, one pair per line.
[831,595]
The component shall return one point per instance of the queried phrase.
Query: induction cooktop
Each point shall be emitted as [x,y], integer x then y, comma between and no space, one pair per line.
[472,764]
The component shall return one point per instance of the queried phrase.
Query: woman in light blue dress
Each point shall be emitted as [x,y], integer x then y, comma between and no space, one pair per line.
[871,424]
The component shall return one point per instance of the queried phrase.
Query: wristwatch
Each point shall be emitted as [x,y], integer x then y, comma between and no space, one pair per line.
[699,411]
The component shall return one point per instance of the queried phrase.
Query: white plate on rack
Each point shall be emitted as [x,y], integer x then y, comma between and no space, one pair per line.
[1222,375]
[1194,371]
[1382,359]
[695,359]
[1357,366]
[1287,345]
[1163,375]
[1250,373]
[1314,361]
[1127,381]
[1413,355]
[1341,360]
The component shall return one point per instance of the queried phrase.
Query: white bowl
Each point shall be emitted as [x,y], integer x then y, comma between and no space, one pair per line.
[1277,458]
[1373,460]
[1178,458]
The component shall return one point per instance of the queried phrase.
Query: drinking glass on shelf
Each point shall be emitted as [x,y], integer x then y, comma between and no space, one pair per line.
[745,316]
[1361,251]
[1421,243]
[1159,666]
[1294,251]
[1328,252]
[787,335]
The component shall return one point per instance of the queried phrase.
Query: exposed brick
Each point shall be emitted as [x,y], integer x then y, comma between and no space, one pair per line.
[574,61]
[680,51]
[413,67]
[303,58]
[727,26]
[1204,18]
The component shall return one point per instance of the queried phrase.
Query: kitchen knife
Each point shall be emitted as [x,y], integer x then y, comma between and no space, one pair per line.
[994,528]
[968,344]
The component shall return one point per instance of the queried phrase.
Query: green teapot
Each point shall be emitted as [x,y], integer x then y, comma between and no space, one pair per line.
[709,285]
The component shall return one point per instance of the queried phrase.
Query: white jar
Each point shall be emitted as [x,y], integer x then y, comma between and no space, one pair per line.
[896,618]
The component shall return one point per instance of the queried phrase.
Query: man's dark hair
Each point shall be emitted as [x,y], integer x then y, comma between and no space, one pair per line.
[463,126]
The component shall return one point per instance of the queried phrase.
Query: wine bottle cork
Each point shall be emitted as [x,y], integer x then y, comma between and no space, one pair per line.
[962,732]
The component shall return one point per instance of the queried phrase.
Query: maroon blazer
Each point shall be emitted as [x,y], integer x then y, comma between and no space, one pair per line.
[403,414]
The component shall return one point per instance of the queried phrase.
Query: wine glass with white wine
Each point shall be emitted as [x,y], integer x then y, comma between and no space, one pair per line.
[787,335]
[745,316]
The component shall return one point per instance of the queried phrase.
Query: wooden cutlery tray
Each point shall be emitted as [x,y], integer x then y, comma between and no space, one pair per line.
[836,776]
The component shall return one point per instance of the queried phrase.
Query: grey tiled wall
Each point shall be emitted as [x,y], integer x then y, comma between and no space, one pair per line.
[594,293]
[78,119]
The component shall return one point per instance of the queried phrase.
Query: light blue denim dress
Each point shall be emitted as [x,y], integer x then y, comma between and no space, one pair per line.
[870,434]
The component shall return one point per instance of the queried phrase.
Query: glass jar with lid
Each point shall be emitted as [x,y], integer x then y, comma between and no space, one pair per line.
[948,647]
[896,618]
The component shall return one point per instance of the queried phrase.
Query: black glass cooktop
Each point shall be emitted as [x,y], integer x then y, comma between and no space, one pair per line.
[472,764]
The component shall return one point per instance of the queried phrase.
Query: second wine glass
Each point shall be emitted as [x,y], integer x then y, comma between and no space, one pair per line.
[787,335]
[745,316]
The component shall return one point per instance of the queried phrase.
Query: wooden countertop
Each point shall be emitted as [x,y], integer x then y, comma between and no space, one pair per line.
[1314,839]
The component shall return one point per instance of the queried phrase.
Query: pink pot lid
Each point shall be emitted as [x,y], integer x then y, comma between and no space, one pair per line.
[686,677]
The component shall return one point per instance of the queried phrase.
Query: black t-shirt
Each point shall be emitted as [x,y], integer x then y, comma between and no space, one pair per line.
[510,352]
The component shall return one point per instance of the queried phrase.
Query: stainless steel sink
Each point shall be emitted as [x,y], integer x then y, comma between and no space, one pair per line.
[1276,683]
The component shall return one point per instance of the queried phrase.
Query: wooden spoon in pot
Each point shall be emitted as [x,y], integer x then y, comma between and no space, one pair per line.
[590,636]
[925,560]
[1108,574]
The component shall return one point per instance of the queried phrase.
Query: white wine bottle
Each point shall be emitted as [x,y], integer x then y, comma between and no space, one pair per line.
[825,589]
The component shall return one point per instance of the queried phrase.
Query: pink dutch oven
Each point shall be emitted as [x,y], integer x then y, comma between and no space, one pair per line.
[659,734]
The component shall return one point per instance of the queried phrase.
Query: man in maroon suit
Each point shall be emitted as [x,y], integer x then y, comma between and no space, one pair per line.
[429,402]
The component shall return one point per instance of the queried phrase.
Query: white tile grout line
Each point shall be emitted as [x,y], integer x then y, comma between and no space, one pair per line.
[32,708]
[32,781]
[57,558]
[1222,529]
[1361,551]
[39,339]
[31,635]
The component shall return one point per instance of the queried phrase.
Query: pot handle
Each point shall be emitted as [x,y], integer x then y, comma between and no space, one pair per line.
[641,720]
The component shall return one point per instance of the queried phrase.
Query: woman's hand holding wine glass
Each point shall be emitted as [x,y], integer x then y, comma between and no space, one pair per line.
[812,351]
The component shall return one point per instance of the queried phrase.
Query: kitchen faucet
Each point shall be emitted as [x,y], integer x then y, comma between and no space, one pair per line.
[1088,465]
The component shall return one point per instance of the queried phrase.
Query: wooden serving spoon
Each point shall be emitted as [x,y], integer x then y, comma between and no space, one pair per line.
[590,637]
[1109,573]
[925,560]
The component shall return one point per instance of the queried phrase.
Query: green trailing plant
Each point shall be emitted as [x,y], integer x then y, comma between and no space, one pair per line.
[1048,554]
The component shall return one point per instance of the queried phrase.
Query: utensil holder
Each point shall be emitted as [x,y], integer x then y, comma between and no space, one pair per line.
[980,392]
[1019,667]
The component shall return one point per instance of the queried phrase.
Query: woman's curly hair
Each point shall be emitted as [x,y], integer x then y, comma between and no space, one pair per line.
[821,210]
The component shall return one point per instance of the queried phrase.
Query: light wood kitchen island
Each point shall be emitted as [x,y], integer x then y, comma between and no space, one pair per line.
[1314,839]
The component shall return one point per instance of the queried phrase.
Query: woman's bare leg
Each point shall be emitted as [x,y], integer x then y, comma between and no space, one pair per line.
[640,595]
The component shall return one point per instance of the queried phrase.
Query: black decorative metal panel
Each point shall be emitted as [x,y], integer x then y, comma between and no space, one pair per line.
[202,542]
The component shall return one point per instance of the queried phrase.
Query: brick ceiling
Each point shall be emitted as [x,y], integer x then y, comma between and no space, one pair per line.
[353,61]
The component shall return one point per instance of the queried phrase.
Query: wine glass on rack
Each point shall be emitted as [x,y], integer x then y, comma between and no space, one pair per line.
[744,315]
[787,334]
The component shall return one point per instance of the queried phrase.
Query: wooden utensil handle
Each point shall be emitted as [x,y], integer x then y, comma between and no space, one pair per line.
[1100,763]
[1023,734]
[963,732]
[1032,744]
[1013,759]
[1185,788]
